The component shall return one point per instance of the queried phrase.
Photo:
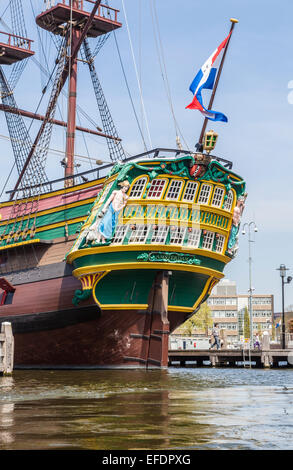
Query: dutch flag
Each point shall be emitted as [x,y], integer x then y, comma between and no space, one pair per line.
[205,79]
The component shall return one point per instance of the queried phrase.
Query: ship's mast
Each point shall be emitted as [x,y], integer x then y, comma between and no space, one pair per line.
[72,92]
[71,20]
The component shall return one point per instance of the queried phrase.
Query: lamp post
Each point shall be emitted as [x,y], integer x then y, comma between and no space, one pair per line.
[283,270]
[250,225]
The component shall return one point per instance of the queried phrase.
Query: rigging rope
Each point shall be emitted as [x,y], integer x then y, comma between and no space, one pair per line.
[137,76]
[162,63]
[129,93]
[116,150]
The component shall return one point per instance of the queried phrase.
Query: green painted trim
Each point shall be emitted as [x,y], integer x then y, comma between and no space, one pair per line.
[64,215]
[132,257]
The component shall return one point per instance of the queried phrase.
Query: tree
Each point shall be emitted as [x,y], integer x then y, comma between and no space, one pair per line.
[246,324]
[201,320]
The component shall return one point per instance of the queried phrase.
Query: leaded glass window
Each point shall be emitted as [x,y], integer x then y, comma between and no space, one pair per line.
[138,188]
[156,189]
[120,233]
[204,194]
[218,196]
[159,234]
[174,190]
[177,235]
[229,201]
[208,240]
[193,237]
[220,243]
[139,234]
[190,191]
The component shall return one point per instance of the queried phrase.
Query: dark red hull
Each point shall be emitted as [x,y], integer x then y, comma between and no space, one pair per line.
[50,332]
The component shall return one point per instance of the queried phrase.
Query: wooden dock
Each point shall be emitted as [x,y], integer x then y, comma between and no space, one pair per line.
[6,349]
[231,357]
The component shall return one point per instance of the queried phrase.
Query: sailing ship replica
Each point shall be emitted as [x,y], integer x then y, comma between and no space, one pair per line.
[98,273]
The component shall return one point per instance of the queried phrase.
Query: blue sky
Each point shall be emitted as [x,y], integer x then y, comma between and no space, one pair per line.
[253,93]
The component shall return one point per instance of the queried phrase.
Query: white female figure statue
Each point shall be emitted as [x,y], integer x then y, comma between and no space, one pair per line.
[105,228]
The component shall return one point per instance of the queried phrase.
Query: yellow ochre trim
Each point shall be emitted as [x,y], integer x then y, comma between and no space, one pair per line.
[122,306]
[205,291]
[145,265]
[14,245]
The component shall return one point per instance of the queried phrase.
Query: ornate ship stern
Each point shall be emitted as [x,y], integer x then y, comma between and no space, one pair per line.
[156,241]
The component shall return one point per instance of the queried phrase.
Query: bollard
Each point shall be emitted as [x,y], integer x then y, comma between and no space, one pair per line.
[265,346]
[7,348]
[223,338]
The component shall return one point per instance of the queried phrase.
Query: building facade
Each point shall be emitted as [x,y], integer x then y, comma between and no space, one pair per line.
[228,309]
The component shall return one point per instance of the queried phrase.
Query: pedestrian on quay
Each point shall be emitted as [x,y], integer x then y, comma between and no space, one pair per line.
[257,342]
[216,336]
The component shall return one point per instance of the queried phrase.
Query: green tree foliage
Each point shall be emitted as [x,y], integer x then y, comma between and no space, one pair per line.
[246,324]
[201,320]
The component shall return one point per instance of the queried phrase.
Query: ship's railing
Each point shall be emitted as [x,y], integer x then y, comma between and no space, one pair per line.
[15,41]
[104,11]
[103,170]
[157,153]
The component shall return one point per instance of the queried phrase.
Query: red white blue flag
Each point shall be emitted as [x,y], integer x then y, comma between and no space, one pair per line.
[205,79]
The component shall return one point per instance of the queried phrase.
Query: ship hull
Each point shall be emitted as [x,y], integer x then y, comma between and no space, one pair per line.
[51,333]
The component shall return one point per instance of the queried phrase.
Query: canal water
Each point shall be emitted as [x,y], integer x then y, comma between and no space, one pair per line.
[185,409]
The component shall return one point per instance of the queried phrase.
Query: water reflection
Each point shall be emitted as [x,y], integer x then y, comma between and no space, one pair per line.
[169,409]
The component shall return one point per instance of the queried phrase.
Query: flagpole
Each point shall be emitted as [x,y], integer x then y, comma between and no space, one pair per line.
[233,21]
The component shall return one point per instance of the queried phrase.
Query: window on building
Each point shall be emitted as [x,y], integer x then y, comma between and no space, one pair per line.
[174,190]
[228,326]
[177,235]
[204,194]
[261,300]
[231,314]
[190,191]
[220,239]
[217,196]
[262,313]
[156,188]
[138,188]
[139,234]
[193,237]
[229,201]
[120,234]
[208,240]
[159,234]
